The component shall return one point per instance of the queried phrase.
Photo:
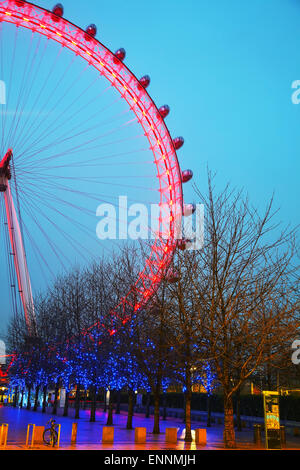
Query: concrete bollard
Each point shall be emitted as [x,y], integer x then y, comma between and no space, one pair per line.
[3,434]
[74,433]
[30,427]
[107,435]
[171,435]
[140,435]
[58,435]
[38,435]
[200,436]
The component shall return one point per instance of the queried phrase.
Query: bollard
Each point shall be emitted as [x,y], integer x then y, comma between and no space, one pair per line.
[296,432]
[32,435]
[74,433]
[38,435]
[107,435]
[171,435]
[140,435]
[58,435]
[3,435]
[282,435]
[200,436]
[257,433]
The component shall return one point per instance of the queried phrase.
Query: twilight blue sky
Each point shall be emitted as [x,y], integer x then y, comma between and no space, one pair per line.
[226,70]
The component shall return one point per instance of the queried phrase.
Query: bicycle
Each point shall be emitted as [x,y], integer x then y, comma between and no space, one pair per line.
[50,436]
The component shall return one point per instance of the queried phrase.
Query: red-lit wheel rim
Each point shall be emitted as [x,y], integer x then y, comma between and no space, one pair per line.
[41,21]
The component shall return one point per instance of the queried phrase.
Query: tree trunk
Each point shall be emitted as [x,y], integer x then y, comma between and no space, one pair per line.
[54,410]
[130,409]
[148,405]
[16,397]
[77,402]
[85,400]
[110,409]
[93,404]
[208,408]
[156,429]
[66,405]
[117,412]
[188,427]
[105,404]
[229,434]
[164,407]
[28,407]
[184,406]
[22,398]
[36,399]
[44,399]
[238,410]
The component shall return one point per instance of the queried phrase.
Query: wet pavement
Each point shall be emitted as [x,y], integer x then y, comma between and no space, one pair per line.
[89,434]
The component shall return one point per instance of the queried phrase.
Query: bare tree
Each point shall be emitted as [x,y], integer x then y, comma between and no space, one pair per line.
[242,282]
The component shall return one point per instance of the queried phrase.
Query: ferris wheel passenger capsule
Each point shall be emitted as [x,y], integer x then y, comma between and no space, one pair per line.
[186,175]
[164,111]
[182,243]
[120,54]
[58,10]
[144,81]
[189,209]
[178,142]
[91,31]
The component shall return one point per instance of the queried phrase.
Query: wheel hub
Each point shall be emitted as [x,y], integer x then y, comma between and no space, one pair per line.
[5,173]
